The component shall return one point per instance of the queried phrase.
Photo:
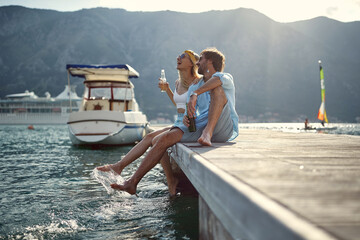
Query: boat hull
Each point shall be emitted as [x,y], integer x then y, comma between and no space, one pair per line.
[106,127]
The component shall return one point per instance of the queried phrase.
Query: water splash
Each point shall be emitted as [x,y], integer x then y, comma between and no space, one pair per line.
[52,230]
[62,226]
[107,178]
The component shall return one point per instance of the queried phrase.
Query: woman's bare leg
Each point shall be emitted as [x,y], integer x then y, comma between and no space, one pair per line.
[153,157]
[172,181]
[137,151]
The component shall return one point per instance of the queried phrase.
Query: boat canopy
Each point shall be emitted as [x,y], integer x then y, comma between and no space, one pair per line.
[26,94]
[120,72]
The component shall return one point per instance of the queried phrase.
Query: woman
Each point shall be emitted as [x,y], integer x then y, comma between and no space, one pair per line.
[187,69]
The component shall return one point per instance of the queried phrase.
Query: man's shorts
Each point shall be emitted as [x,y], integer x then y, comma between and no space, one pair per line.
[222,132]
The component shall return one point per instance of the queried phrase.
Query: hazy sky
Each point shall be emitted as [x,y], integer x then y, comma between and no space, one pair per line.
[278,10]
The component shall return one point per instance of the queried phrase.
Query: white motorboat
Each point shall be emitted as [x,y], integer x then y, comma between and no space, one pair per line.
[109,113]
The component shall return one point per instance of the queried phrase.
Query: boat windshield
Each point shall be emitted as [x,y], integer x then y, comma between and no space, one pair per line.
[118,93]
[100,93]
[122,93]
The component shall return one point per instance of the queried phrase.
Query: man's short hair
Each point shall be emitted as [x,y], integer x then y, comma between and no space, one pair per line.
[217,58]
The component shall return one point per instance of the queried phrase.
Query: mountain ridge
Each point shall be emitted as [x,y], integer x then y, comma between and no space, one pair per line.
[274,64]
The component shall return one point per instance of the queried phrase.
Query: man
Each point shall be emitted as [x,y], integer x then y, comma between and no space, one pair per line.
[217,121]
[218,89]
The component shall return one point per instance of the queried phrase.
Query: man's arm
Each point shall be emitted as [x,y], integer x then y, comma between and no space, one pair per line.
[210,84]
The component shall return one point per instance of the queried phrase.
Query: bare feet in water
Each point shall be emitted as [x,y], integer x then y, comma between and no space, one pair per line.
[131,188]
[108,168]
[126,187]
[205,139]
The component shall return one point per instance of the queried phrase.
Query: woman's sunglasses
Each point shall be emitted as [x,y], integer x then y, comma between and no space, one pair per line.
[182,56]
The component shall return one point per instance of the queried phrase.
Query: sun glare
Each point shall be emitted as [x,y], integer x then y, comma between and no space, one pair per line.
[278,10]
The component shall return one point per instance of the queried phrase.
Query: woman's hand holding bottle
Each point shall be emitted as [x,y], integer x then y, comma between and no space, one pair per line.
[164,86]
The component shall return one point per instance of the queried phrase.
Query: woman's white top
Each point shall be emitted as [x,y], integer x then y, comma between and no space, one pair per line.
[180,100]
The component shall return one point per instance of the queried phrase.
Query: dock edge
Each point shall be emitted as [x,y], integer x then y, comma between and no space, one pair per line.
[243,211]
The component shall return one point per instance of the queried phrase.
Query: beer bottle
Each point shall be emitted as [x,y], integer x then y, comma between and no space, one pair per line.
[163,80]
[192,126]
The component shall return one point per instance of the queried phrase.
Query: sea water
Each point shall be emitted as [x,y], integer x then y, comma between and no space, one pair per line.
[50,190]
[332,128]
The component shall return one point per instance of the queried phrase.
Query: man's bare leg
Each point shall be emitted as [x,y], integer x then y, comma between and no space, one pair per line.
[163,142]
[137,151]
[217,103]
[172,181]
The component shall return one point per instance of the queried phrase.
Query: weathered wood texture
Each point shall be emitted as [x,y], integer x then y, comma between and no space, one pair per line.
[212,228]
[276,185]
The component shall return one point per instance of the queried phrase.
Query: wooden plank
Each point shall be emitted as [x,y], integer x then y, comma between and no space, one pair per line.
[313,178]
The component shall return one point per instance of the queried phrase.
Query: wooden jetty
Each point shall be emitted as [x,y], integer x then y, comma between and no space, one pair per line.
[276,185]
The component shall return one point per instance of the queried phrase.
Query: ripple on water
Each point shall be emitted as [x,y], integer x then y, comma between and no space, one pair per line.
[48,190]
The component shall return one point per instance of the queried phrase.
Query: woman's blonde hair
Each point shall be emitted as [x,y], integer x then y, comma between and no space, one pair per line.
[194,57]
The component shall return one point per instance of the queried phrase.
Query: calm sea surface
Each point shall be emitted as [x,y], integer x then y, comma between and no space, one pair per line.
[49,190]
[332,128]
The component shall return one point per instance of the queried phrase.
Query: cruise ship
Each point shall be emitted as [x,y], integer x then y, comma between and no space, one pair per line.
[28,108]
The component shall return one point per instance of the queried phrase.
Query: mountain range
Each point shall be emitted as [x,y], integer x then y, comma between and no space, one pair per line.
[274,65]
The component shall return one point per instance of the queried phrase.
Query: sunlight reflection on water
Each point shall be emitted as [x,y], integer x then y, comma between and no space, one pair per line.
[50,190]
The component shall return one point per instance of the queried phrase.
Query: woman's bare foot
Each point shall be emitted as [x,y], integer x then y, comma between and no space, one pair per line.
[127,187]
[109,167]
[205,139]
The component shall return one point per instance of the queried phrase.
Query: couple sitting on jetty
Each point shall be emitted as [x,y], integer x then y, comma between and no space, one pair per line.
[211,100]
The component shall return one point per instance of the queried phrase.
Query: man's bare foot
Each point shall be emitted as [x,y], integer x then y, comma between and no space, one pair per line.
[172,186]
[126,187]
[108,168]
[205,139]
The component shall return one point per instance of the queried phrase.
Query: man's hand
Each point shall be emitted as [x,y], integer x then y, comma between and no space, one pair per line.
[191,106]
[186,121]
